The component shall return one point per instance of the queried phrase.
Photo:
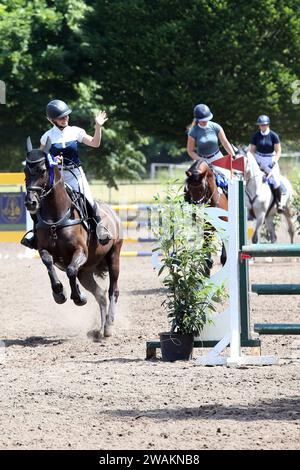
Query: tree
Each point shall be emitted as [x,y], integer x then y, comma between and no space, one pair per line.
[147,62]
[40,60]
[157,59]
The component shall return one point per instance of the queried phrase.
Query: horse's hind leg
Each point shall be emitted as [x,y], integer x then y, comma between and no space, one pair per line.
[291,226]
[58,291]
[87,279]
[223,257]
[78,260]
[113,262]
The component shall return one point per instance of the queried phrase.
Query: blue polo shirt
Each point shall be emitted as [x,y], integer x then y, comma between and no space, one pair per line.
[265,143]
[206,138]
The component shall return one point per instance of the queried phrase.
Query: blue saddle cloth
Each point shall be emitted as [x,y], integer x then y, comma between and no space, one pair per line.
[221,181]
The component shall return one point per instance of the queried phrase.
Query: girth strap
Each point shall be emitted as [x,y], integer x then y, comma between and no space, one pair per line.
[65,221]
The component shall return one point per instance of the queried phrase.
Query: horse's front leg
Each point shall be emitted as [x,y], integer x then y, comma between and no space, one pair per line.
[58,291]
[79,258]
[269,221]
[258,226]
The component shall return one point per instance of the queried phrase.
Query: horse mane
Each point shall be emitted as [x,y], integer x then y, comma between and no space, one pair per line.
[254,168]
[194,167]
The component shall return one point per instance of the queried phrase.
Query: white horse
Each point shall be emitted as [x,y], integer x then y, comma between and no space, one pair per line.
[261,202]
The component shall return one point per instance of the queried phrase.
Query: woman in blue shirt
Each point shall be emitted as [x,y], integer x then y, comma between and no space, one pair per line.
[266,148]
[204,136]
[64,139]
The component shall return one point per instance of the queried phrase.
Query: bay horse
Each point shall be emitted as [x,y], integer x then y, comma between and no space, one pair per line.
[260,201]
[201,188]
[65,240]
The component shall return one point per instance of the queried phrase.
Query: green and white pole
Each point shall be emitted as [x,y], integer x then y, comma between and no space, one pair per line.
[239,299]
[237,303]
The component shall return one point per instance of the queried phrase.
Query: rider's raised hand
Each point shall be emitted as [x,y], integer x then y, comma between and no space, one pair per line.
[101,118]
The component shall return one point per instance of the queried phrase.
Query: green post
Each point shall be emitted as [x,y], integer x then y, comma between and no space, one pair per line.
[277,328]
[244,274]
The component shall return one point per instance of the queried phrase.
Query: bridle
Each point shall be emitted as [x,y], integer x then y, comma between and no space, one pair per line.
[42,192]
[204,199]
[50,182]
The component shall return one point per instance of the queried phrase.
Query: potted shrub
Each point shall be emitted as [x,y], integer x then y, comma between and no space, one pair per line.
[186,242]
[296,204]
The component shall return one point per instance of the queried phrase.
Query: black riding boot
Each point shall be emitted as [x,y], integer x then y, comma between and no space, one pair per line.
[30,239]
[103,234]
[277,194]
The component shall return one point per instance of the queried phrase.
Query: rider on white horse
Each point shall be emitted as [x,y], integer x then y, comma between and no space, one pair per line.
[265,146]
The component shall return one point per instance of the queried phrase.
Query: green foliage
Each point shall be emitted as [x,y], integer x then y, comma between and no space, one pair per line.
[157,59]
[42,58]
[147,63]
[118,157]
[187,244]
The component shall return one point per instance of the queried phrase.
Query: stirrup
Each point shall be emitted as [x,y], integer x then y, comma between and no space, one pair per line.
[29,242]
[280,208]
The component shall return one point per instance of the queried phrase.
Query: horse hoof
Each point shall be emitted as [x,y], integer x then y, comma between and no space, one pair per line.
[108,331]
[94,335]
[80,301]
[60,298]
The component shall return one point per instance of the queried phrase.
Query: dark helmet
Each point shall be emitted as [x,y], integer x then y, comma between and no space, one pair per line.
[57,109]
[263,119]
[202,112]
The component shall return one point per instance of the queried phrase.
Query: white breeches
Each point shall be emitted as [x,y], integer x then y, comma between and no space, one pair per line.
[77,180]
[265,163]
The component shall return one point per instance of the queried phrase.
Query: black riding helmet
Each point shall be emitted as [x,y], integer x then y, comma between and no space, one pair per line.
[263,120]
[57,109]
[202,112]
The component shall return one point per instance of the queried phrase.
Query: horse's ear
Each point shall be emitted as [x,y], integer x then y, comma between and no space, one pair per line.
[188,173]
[48,145]
[28,144]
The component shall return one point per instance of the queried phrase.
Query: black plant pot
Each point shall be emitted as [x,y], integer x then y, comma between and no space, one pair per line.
[176,346]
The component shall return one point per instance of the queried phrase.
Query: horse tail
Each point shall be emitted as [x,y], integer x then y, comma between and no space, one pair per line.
[101,269]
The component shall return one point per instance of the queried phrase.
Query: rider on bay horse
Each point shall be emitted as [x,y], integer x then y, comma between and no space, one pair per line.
[266,148]
[203,140]
[64,140]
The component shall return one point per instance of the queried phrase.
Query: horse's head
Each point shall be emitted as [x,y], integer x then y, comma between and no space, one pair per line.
[36,176]
[197,183]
